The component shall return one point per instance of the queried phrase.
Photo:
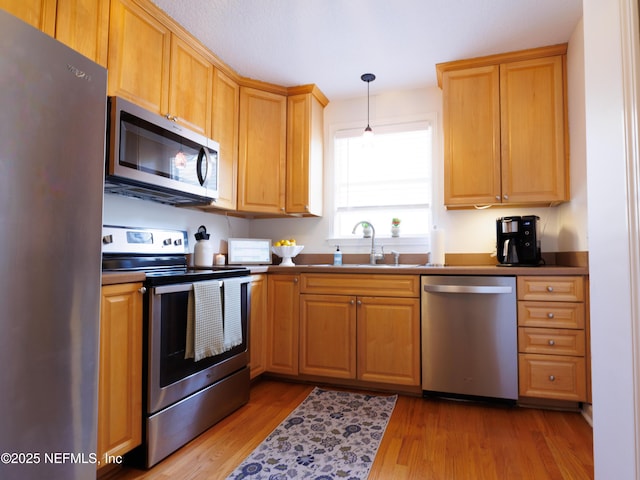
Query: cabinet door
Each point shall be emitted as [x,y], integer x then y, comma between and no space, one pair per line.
[37,13]
[139,53]
[283,324]
[304,154]
[120,375]
[262,151]
[84,26]
[389,340]
[328,335]
[258,325]
[226,111]
[534,160]
[190,87]
[471,120]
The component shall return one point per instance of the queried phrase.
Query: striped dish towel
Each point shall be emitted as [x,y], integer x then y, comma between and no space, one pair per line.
[205,331]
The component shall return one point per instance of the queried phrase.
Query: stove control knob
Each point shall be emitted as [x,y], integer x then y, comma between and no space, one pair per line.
[178,242]
[107,239]
[166,241]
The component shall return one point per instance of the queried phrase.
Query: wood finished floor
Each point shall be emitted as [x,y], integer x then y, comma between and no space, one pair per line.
[427,439]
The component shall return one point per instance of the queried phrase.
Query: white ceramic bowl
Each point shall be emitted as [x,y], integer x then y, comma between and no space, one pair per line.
[287,253]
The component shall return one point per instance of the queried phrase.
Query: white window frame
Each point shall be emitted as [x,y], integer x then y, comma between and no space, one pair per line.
[382,232]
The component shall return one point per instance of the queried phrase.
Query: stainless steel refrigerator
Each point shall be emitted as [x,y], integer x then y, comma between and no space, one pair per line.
[52,141]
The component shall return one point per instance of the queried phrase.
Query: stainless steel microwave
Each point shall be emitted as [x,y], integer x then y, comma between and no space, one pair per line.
[154,158]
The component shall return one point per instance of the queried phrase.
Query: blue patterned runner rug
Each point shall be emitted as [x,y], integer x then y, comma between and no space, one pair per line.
[330,435]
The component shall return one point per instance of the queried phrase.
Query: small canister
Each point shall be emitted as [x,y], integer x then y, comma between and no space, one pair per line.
[203,250]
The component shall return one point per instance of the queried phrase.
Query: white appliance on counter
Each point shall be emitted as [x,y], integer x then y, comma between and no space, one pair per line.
[52,137]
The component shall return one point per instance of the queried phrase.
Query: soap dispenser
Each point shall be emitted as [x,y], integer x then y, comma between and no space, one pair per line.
[337,256]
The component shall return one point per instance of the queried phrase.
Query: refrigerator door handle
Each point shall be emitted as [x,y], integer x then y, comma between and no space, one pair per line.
[481,289]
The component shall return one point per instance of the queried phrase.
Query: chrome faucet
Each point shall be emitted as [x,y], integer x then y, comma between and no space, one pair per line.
[373,256]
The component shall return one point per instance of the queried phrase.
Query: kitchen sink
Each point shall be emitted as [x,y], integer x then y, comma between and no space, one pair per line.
[364,265]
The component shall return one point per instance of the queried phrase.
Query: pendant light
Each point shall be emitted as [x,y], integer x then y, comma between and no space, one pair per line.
[368,77]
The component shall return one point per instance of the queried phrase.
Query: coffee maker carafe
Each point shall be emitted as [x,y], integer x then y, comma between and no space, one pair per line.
[517,241]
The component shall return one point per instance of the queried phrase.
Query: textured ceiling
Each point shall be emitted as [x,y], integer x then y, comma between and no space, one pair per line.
[332,42]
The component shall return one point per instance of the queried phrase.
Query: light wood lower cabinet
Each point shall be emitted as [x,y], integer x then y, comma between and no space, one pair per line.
[258,326]
[283,293]
[552,343]
[328,335]
[120,370]
[355,336]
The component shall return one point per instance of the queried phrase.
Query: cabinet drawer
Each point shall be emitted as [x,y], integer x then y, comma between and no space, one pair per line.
[551,288]
[551,314]
[378,285]
[551,341]
[552,376]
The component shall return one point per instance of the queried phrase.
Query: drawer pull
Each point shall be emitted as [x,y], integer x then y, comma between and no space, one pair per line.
[552,378]
[550,315]
[549,288]
[552,342]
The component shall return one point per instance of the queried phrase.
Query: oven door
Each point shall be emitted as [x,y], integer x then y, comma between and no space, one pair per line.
[171,377]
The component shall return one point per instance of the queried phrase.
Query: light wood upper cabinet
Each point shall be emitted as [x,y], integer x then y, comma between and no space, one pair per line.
[471,115]
[505,129]
[84,26]
[226,112]
[120,370]
[38,13]
[534,160]
[190,87]
[139,56]
[157,69]
[80,24]
[262,151]
[305,130]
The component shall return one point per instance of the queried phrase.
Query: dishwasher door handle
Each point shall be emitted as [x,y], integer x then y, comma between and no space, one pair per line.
[482,289]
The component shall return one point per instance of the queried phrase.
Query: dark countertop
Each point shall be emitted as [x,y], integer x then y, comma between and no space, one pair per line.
[427,270]
[129,277]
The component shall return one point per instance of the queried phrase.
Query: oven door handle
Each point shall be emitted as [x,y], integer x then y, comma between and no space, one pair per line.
[179,287]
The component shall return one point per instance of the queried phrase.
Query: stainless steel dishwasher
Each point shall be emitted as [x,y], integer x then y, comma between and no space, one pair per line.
[469,336]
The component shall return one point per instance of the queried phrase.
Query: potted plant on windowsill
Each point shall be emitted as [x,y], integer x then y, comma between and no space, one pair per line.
[395,227]
[366,230]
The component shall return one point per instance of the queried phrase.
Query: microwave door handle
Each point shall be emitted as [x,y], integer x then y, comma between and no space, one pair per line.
[204,154]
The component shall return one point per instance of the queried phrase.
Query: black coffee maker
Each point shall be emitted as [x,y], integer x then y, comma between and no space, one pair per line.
[518,241]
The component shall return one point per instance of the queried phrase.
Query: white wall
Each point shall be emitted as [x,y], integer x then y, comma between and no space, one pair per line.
[132,212]
[612,324]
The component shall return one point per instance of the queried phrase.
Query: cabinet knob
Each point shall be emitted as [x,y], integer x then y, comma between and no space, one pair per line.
[549,288]
[359,302]
[506,197]
[295,279]
[142,290]
[498,197]
[552,342]
[552,378]
[352,302]
[550,315]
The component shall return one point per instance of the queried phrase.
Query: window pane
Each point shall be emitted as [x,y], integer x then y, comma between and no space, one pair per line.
[386,176]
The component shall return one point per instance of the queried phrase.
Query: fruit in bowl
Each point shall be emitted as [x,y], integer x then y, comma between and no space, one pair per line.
[286,249]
